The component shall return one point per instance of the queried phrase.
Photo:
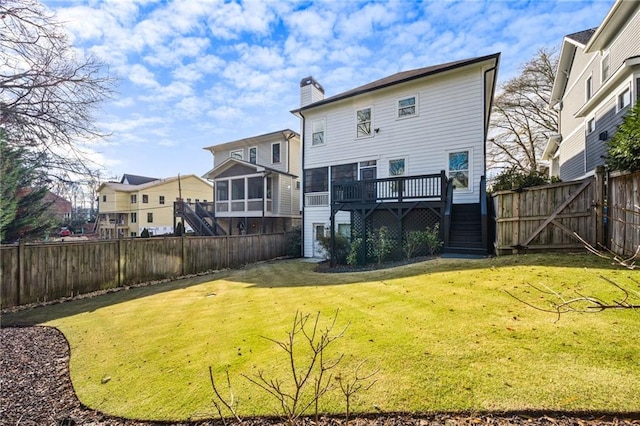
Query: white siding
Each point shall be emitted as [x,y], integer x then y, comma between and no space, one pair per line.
[627,44]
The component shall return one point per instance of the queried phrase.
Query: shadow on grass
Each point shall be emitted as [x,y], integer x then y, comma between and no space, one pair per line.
[48,312]
[292,273]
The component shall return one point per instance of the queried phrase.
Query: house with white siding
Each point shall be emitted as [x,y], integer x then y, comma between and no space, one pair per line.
[597,81]
[257,183]
[405,152]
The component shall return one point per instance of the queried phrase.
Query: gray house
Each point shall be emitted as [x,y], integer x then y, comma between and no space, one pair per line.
[597,81]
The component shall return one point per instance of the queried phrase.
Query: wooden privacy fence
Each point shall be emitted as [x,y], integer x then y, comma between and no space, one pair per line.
[604,211]
[33,273]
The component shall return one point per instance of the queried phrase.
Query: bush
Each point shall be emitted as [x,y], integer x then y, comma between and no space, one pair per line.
[517,179]
[354,253]
[427,241]
[432,239]
[380,244]
[294,242]
[145,233]
[623,149]
[342,247]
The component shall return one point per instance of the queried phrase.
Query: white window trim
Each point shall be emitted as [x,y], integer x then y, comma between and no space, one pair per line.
[586,125]
[588,88]
[249,152]
[469,189]
[324,127]
[627,89]
[399,157]
[235,151]
[279,161]
[605,55]
[371,127]
[416,106]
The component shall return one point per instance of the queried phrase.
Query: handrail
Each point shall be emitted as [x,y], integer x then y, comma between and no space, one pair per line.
[200,225]
[448,207]
[203,213]
[393,188]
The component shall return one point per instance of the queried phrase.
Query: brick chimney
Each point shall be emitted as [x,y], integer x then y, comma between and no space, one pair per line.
[310,91]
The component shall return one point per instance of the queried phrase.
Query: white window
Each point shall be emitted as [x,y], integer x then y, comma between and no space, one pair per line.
[397,167]
[624,99]
[363,122]
[589,88]
[407,107]
[134,217]
[318,132]
[253,154]
[459,169]
[161,199]
[239,154]
[591,125]
[134,198]
[605,67]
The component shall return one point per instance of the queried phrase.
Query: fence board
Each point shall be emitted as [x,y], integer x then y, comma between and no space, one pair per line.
[623,213]
[34,273]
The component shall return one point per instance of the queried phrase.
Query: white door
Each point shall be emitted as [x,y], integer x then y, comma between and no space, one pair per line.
[318,231]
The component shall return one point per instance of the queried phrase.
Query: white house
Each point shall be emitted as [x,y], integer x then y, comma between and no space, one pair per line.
[597,81]
[383,154]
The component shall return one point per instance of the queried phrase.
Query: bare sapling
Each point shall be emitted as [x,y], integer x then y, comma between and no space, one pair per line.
[352,384]
[219,401]
[310,377]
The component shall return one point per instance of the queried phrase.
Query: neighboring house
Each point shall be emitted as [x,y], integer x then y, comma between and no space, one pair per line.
[597,81]
[125,210]
[59,207]
[383,153]
[257,183]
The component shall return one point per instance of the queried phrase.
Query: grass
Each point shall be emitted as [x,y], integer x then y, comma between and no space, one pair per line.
[444,334]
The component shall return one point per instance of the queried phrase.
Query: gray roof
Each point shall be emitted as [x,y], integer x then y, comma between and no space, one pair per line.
[136,180]
[401,77]
[582,37]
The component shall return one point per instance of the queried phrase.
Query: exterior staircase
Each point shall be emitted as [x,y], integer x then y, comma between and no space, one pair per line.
[465,231]
[199,218]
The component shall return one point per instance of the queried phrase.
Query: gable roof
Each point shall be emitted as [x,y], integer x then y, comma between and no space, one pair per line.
[253,140]
[232,162]
[128,179]
[401,77]
[132,188]
[582,37]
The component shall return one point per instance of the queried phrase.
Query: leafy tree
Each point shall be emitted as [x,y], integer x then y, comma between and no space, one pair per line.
[623,149]
[521,121]
[47,91]
[23,211]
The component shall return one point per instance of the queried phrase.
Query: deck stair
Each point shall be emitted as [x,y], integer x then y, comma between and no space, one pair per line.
[465,232]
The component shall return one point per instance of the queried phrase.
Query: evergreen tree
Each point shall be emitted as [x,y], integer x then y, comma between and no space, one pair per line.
[623,149]
[23,211]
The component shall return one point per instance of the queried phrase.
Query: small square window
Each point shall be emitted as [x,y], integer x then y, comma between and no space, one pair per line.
[363,122]
[407,107]
[145,198]
[161,199]
[134,234]
[591,125]
[397,167]
[624,99]
[238,154]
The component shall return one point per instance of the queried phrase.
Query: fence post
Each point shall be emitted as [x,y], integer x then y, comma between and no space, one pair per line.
[120,262]
[182,255]
[516,214]
[599,201]
[20,271]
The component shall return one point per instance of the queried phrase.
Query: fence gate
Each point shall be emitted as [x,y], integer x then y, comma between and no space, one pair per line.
[548,217]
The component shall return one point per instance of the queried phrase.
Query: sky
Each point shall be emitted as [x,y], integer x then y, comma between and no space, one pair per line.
[196,73]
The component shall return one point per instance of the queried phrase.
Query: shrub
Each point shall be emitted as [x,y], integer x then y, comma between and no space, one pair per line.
[144,233]
[354,253]
[380,244]
[417,242]
[414,242]
[517,179]
[432,239]
[342,247]
[294,242]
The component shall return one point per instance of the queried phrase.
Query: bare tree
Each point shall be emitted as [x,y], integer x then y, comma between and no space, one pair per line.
[521,121]
[48,91]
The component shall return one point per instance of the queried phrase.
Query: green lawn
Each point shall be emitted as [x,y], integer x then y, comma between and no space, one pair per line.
[444,334]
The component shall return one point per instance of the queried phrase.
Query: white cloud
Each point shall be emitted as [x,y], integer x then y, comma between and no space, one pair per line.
[139,74]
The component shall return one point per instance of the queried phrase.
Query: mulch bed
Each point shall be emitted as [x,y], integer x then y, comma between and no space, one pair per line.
[35,389]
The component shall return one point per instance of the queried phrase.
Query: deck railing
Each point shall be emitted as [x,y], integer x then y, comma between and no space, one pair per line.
[401,188]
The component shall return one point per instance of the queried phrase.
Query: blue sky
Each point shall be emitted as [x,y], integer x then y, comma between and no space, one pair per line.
[195,73]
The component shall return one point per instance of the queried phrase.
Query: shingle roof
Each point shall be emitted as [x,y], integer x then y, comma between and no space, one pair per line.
[582,37]
[136,180]
[401,77]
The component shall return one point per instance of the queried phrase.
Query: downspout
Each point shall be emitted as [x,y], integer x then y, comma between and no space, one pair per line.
[302,201]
